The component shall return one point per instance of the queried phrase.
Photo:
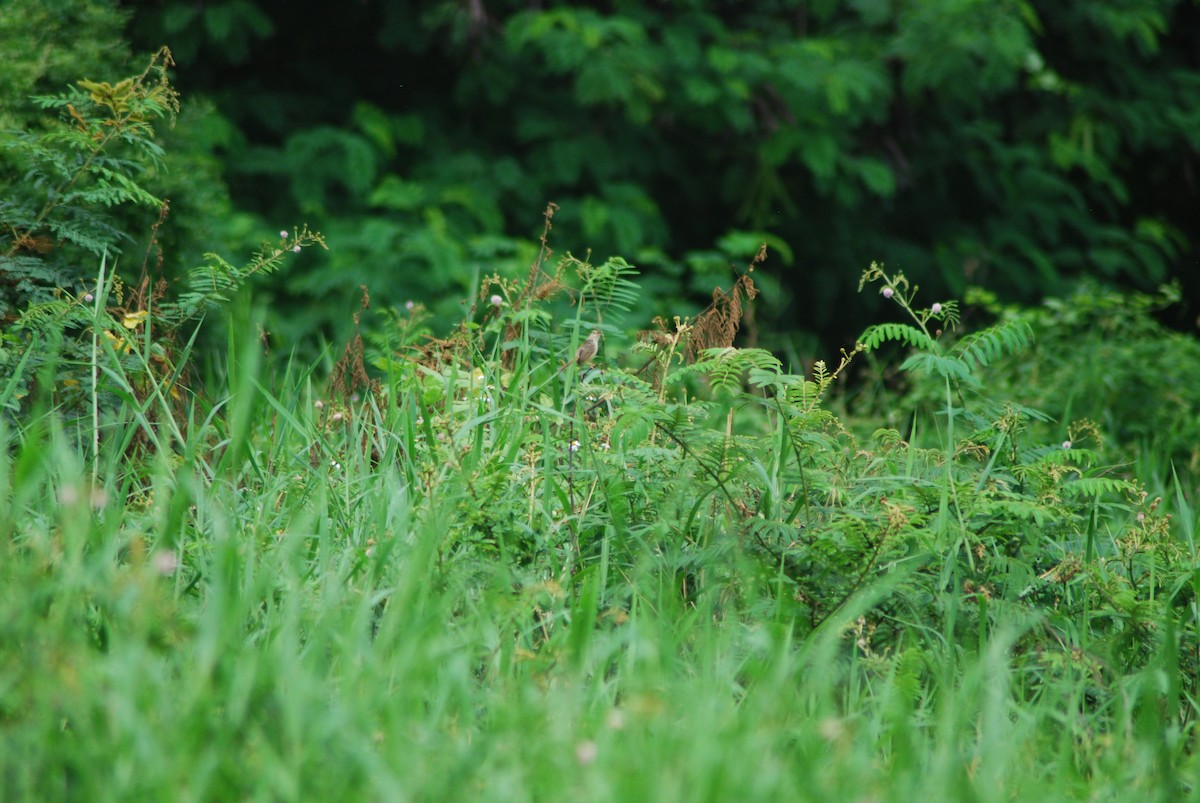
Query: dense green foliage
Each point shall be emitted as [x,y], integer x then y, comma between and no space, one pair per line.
[71,189]
[1014,144]
[444,561]
[1099,356]
[487,574]
[63,179]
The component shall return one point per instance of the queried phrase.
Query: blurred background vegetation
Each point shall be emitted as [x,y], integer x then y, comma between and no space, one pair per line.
[1015,145]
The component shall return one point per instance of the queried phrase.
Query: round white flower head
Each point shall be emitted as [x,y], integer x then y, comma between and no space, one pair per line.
[586,752]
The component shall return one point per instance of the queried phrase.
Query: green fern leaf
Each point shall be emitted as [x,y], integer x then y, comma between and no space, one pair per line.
[983,348]
[877,335]
[726,367]
[1098,486]
[948,367]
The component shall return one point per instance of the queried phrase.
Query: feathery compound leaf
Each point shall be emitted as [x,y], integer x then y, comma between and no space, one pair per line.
[877,335]
[983,348]
[726,366]
[1098,486]
[943,366]
[608,285]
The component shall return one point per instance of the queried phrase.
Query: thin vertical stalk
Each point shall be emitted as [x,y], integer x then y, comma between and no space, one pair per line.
[97,306]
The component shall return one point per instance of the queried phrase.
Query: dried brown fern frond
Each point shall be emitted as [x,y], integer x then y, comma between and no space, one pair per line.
[717,325]
[350,373]
[439,351]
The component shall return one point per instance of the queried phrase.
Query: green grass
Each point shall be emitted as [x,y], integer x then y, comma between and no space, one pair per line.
[426,594]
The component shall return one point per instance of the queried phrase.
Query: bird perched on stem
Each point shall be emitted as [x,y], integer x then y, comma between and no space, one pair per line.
[586,351]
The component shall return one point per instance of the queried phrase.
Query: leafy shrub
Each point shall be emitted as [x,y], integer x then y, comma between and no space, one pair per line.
[704,454]
[432,551]
[68,189]
[837,133]
[1099,356]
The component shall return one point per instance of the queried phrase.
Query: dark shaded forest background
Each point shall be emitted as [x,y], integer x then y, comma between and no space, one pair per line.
[1015,146]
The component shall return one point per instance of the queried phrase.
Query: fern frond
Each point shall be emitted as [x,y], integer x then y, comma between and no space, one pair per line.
[1098,486]
[725,367]
[877,335]
[609,285]
[805,394]
[768,378]
[213,283]
[948,367]
[58,312]
[980,349]
[85,228]
[113,188]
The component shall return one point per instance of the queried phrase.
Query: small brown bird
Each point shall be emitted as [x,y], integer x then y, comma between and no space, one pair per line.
[587,350]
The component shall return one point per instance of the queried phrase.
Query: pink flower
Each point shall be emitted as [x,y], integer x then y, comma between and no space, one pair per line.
[295,249]
[89,298]
[164,562]
[1066,444]
[283,235]
[888,292]
[496,300]
[936,308]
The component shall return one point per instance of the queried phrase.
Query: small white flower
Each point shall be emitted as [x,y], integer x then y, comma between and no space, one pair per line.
[888,292]
[831,728]
[408,305]
[1066,444]
[99,498]
[574,446]
[936,308]
[164,562]
[336,417]
[496,300]
[295,249]
[89,298]
[320,405]
[283,234]
[586,752]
